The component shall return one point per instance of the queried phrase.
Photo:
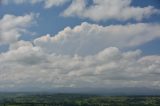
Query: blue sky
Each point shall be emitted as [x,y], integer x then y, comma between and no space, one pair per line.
[51,22]
[46,44]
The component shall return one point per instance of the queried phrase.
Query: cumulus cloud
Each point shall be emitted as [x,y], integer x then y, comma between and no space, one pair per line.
[88,55]
[12,27]
[99,10]
[30,67]
[85,56]
[87,39]
[51,3]
[109,9]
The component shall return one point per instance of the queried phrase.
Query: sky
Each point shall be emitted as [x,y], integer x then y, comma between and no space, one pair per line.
[53,44]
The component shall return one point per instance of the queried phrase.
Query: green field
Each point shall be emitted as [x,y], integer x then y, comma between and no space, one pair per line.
[29,99]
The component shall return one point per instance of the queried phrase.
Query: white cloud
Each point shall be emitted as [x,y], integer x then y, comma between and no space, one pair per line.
[100,10]
[24,54]
[67,60]
[87,39]
[12,27]
[30,67]
[88,55]
[109,9]
[51,3]
[19,44]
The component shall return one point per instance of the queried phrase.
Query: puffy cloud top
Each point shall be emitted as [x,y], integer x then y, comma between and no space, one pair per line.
[87,39]
[110,68]
[109,9]
[99,10]
[82,57]
[12,27]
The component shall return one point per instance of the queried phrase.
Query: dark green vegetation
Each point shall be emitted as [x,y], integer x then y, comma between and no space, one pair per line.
[30,99]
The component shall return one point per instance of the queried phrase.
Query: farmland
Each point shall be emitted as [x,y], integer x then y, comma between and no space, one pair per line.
[48,99]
